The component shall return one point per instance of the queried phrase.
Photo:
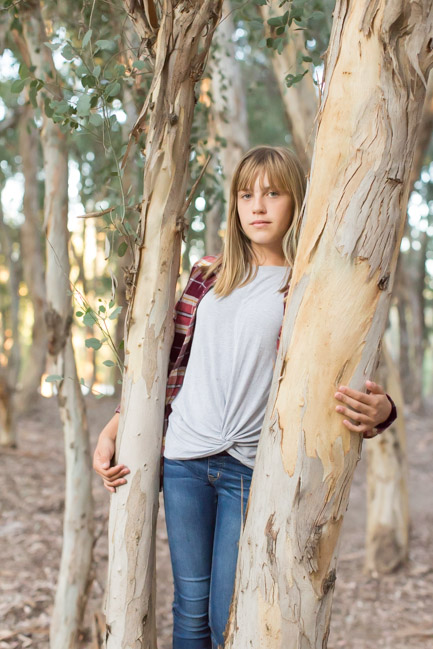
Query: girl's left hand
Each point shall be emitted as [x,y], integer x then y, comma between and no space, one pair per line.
[366,410]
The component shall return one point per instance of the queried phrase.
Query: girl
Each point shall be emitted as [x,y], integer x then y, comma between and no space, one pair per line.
[227,327]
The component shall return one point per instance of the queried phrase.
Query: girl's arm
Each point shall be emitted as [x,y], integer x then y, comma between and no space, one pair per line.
[372,410]
[112,476]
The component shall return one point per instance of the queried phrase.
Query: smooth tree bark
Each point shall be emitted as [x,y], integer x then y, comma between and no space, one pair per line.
[410,282]
[387,538]
[32,259]
[181,37]
[78,517]
[228,105]
[338,306]
[227,99]
[301,99]
[10,320]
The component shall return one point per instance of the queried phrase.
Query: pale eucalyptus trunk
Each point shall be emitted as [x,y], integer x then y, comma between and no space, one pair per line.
[228,105]
[32,260]
[336,315]
[78,517]
[387,538]
[300,100]
[10,319]
[183,36]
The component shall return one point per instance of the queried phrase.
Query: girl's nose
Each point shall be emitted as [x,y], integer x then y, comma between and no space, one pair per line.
[258,204]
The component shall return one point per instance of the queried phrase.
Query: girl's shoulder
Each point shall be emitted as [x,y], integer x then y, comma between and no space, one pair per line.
[202,264]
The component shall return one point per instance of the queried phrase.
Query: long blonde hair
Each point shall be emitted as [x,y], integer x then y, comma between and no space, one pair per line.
[285,173]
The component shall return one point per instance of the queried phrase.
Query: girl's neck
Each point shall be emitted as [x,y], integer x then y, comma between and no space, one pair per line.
[269,258]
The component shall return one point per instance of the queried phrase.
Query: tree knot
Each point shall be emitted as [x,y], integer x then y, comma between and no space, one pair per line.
[383,282]
[329,581]
[58,330]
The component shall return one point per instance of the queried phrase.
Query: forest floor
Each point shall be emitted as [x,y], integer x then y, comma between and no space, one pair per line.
[395,611]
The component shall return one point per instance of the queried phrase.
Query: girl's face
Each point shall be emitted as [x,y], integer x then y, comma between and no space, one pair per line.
[265,215]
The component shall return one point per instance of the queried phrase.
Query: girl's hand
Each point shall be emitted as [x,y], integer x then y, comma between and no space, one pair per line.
[113,476]
[366,410]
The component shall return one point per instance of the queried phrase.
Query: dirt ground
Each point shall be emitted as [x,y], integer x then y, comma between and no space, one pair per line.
[395,611]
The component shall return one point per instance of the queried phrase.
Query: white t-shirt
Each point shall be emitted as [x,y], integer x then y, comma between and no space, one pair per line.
[221,404]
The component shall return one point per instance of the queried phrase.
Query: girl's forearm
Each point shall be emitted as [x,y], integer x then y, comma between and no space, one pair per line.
[110,430]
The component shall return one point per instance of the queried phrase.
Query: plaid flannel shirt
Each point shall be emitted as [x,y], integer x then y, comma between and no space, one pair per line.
[184,318]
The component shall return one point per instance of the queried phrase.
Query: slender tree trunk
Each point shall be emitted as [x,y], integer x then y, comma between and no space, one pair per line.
[183,39]
[130,186]
[213,241]
[78,518]
[32,260]
[404,364]
[387,539]
[300,100]
[337,311]
[228,99]
[419,327]
[9,373]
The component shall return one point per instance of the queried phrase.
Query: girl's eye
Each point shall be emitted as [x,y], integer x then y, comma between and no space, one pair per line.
[272,192]
[245,195]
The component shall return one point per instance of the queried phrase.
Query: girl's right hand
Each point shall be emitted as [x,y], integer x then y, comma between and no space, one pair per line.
[112,476]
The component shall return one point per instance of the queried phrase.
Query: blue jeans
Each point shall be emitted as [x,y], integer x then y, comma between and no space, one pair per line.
[205,503]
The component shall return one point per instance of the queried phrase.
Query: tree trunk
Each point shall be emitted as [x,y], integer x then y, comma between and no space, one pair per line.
[130,188]
[418,325]
[182,44]
[300,100]
[78,518]
[337,311]
[228,99]
[9,373]
[32,260]
[387,539]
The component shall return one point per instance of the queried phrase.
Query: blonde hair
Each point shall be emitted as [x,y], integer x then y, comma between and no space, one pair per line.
[285,173]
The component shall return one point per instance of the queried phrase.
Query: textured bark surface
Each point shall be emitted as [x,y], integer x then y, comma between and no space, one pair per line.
[387,538]
[182,45]
[338,305]
[301,100]
[78,517]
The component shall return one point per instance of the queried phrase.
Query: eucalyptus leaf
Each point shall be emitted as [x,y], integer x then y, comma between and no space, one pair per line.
[109,45]
[108,363]
[112,90]
[89,318]
[68,53]
[93,343]
[83,106]
[18,85]
[86,38]
[53,377]
[115,313]
[122,249]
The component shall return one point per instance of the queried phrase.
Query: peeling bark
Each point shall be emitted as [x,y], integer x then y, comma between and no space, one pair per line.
[78,518]
[338,305]
[182,45]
